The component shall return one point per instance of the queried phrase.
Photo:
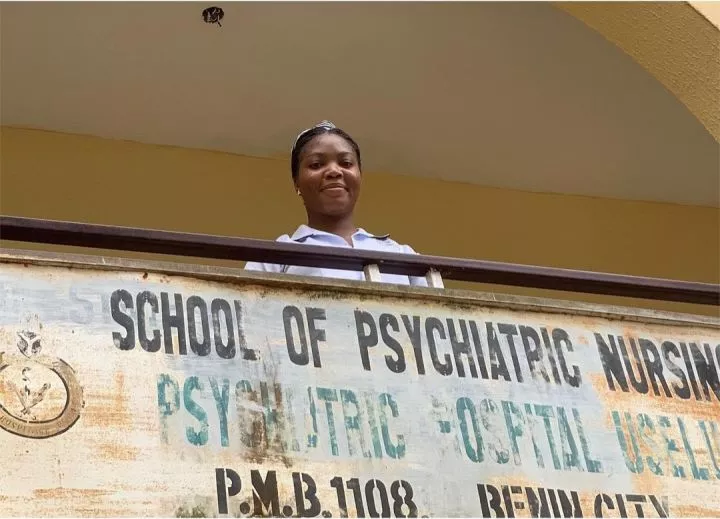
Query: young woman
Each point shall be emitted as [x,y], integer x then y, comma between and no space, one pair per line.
[327,173]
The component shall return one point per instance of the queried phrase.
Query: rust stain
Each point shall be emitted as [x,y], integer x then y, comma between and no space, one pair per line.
[699,410]
[100,511]
[609,398]
[648,483]
[114,451]
[86,511]
[154,488]
[692,511]
[661,405]
[681,334]
[69,493]
[109,409]
[587,502]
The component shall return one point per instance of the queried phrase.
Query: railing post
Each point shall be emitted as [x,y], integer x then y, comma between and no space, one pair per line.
[372,272]
[434,279]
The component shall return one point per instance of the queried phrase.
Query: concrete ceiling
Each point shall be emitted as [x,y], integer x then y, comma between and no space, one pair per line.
[513,95]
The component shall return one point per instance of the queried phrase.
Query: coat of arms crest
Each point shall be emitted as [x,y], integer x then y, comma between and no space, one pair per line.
[40,395]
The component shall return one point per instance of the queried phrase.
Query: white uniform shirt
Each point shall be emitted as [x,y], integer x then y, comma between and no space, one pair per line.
[361,240]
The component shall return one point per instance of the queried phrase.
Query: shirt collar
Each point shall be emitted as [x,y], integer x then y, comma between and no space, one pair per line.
[305,231]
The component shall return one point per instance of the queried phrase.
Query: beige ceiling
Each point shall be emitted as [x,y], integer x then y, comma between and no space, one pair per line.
[515,95]
[677,42]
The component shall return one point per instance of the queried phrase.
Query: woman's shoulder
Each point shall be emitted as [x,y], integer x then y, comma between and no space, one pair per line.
[376,241]
[385,242]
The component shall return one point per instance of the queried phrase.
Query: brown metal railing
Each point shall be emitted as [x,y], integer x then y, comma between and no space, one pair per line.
[244,249]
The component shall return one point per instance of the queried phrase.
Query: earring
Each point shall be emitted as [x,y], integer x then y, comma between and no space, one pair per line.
[298,192]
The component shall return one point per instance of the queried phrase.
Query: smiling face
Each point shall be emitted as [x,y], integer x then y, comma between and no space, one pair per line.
[328,177]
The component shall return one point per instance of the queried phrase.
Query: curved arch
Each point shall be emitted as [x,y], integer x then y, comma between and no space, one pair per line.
[674,41]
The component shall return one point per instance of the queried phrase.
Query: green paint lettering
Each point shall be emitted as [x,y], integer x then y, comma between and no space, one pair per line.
[196,437]
[546,412]
[671,446]
[713,446]
[592,465]
[646,431]
[697,472]
[168,401]
[329,396]
[312,439]
[273,426]
[514,420]
[374,432]
[531,424]
[221,403]
[474,452]
[394,450]
[570,453]
[635,467]
[493,424]
[353,419]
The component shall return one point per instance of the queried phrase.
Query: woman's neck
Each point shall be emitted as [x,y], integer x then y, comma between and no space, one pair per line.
[343,227]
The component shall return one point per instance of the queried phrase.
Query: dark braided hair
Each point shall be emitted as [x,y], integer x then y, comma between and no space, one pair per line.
[306,136]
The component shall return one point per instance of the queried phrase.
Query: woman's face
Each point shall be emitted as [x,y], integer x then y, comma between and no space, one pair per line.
[329,176]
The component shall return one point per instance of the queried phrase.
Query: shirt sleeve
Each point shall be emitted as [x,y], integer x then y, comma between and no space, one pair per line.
[414,281]
[268,267]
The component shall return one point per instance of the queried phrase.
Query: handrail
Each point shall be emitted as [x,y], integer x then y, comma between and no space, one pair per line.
[231,248]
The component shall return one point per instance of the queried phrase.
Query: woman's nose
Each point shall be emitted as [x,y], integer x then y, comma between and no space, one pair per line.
[333,171]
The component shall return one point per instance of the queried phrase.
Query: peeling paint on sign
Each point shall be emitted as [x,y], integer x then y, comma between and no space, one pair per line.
[127,392]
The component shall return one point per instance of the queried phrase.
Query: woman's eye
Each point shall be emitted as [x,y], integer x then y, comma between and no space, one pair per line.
[346,164]
[314,165]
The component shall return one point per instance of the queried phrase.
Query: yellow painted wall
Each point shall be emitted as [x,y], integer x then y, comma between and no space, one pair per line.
[71,177]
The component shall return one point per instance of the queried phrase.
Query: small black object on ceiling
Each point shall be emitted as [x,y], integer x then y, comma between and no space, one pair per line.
[213,15]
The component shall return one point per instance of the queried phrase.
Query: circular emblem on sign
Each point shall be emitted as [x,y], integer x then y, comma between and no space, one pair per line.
[40,395]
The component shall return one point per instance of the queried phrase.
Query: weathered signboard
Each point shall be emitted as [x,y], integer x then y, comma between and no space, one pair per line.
[126,391]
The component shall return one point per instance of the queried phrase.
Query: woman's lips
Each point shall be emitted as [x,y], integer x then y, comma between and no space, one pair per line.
[335,189]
